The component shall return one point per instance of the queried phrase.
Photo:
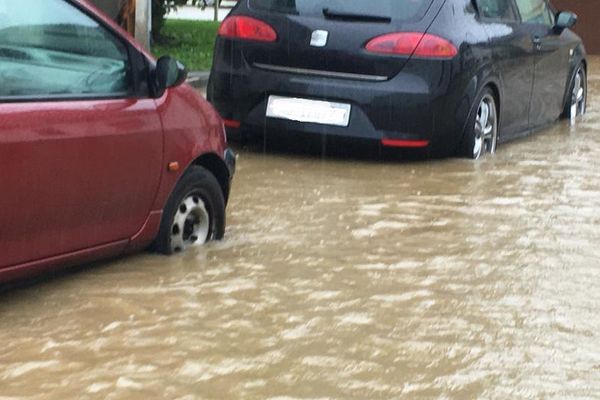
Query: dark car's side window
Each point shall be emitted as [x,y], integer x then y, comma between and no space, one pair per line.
[49,48]
[501,10]
[535,12]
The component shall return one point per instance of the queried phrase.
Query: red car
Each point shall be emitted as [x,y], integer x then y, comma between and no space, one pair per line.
[103,150]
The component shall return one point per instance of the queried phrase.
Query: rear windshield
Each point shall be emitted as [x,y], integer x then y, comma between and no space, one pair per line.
[394,9]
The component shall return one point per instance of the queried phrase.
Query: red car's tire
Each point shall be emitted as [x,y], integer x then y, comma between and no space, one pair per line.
[194,214]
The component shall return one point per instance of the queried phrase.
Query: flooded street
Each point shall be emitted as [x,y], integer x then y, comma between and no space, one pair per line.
[345,279]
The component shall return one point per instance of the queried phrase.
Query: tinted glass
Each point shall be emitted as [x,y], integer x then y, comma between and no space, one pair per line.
[535,12]
[396,9]
[50,48]
[497,10]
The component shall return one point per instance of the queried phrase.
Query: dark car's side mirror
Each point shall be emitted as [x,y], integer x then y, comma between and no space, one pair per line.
[565,20]
[168,73]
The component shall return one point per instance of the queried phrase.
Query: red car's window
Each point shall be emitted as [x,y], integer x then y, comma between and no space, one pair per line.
[50,48]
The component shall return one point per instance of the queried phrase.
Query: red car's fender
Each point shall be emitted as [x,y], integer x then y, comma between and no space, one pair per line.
[191,127]
[192,130]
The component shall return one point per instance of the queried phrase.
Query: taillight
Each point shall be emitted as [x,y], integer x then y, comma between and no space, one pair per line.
[230,123]
[412,44]
[404,143]
[247,28]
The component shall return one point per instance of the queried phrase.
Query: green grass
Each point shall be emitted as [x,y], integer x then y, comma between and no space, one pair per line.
[191,42]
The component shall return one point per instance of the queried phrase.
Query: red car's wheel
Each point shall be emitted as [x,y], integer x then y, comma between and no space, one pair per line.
[194,215]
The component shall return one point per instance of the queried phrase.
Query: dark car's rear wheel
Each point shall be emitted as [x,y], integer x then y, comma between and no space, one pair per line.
[578,100]
[481,136]
[194,215]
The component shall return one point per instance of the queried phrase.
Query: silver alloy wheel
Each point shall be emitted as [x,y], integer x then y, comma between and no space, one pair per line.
[578,100]
[191,224]
[486,127]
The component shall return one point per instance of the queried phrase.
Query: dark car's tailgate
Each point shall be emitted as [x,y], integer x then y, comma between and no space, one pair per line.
[349,27]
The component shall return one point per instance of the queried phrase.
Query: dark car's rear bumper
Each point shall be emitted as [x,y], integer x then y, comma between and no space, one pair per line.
[413,106]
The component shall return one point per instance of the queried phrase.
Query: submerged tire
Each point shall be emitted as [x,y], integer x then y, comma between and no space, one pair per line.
[481,136]
[577,104]
[194,214]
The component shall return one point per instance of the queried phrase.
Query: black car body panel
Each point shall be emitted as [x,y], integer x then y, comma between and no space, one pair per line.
[395,97]
[344,50]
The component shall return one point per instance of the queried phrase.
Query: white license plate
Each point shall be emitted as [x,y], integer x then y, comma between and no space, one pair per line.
[305,110]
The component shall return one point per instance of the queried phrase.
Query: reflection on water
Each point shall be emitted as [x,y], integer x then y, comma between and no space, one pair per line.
[345,279]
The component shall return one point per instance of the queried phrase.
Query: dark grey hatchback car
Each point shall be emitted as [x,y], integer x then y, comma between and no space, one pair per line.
[452,77]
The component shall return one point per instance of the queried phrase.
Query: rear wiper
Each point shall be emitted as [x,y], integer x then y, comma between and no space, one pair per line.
[348,16]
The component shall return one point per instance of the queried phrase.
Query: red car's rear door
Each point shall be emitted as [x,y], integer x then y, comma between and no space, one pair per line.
[80,149]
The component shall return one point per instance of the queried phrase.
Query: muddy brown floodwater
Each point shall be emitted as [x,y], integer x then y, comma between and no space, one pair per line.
[345,279]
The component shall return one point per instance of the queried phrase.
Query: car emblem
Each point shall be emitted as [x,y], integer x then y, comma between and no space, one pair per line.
[319,38]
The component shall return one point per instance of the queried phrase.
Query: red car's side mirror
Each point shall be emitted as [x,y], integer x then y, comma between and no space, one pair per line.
[168,73]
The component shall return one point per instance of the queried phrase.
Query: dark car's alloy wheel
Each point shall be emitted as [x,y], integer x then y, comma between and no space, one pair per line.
[486,127]
[482,137]
[194,215]
[578,95]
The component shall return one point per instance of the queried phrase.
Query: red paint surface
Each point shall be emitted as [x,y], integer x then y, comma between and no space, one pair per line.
[82,180]
[80,174]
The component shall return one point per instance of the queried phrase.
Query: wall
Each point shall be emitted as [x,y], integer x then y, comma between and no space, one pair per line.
[588,12]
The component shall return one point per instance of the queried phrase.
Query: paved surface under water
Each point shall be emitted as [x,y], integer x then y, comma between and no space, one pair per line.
[345,279]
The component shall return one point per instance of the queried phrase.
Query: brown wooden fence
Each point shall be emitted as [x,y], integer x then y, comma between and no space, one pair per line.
[127,16]
[122,11]
[588,12]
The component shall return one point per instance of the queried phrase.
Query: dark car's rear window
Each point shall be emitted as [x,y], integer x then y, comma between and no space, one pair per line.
[395,9]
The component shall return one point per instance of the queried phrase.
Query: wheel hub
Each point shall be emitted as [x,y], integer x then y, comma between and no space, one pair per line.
[191,224]
[486,128]
[578,100]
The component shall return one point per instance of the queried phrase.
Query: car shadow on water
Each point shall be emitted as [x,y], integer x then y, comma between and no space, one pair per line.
[38,282]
